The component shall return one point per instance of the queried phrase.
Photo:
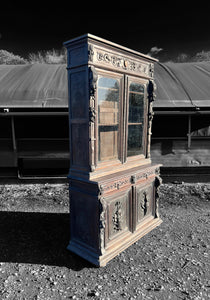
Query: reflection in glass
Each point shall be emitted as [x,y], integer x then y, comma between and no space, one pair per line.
[135,119]
[136,108]
[136,87]
[108,118]
[134,139]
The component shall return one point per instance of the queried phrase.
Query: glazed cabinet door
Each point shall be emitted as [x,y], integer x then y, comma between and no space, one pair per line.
[109,102]
[136,117]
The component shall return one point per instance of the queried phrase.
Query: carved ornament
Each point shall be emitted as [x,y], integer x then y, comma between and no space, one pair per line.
[93,76]
[117,217]
[122,62]
[144,203]
[158,181]
[125,63]
[125,181]
[92,114]
[102,222]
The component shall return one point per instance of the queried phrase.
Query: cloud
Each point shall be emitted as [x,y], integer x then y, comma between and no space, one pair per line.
[154,51]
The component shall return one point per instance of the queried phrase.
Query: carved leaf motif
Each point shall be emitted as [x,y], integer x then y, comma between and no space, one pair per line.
[92,114]
[117,217]
[144,203]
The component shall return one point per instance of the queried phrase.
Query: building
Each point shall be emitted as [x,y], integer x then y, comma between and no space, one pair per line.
[181,127]
[34,120]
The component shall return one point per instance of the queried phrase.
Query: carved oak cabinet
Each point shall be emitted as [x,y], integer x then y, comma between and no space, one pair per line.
[113,186]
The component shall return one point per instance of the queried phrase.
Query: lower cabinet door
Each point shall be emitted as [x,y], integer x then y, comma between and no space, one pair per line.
[127,211]
[118,215]
[145,198]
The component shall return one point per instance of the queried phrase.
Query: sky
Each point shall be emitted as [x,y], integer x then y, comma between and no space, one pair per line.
[33,26]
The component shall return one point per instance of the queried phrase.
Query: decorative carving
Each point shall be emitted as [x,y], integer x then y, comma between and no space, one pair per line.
[101,189]
[93,76]
[150,90]
[151,70]
[92,114]
[117,217]
[133,179]
[118,184]
[115,185]
[102,223]
[144,197]
[158,182]
[122,62]
[90,52]
[151,97]
[144,203]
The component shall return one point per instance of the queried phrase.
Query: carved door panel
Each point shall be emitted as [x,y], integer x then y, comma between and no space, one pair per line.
[118,214]
[145,201]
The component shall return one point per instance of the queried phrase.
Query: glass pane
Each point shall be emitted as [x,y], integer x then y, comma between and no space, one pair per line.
[136,108]
[135,119]
[108,142]
[107,82]
[136,87]
[108,118]
[134,139]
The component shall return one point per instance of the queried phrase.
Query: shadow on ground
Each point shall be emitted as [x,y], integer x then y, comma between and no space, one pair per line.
[37,238]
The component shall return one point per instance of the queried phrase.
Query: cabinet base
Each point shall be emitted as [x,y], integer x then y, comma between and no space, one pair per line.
[116,248]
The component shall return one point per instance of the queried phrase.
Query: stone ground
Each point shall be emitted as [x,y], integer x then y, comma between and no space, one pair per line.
[171,262]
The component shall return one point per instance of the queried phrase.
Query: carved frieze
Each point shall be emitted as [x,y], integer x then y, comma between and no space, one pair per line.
[114,60]
[114,185]
[123,182]
[122,62]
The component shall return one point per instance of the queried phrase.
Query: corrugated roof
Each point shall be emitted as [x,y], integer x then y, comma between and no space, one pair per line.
[37,85]
[179,85]
[182,85]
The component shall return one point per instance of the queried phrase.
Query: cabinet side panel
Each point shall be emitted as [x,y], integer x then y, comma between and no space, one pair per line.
[78,95]
[84,219]
[78,115]
[79,135]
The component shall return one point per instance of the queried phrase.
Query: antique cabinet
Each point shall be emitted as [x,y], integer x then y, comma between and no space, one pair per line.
[113,185]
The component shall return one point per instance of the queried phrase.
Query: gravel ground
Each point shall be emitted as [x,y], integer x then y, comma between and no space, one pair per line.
[171,262]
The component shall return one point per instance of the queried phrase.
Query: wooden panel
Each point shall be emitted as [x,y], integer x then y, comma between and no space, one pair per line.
[79,145]
[78,95]
[84,217]
[78,55]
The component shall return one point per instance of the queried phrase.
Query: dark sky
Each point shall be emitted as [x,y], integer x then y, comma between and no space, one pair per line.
[32,27]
